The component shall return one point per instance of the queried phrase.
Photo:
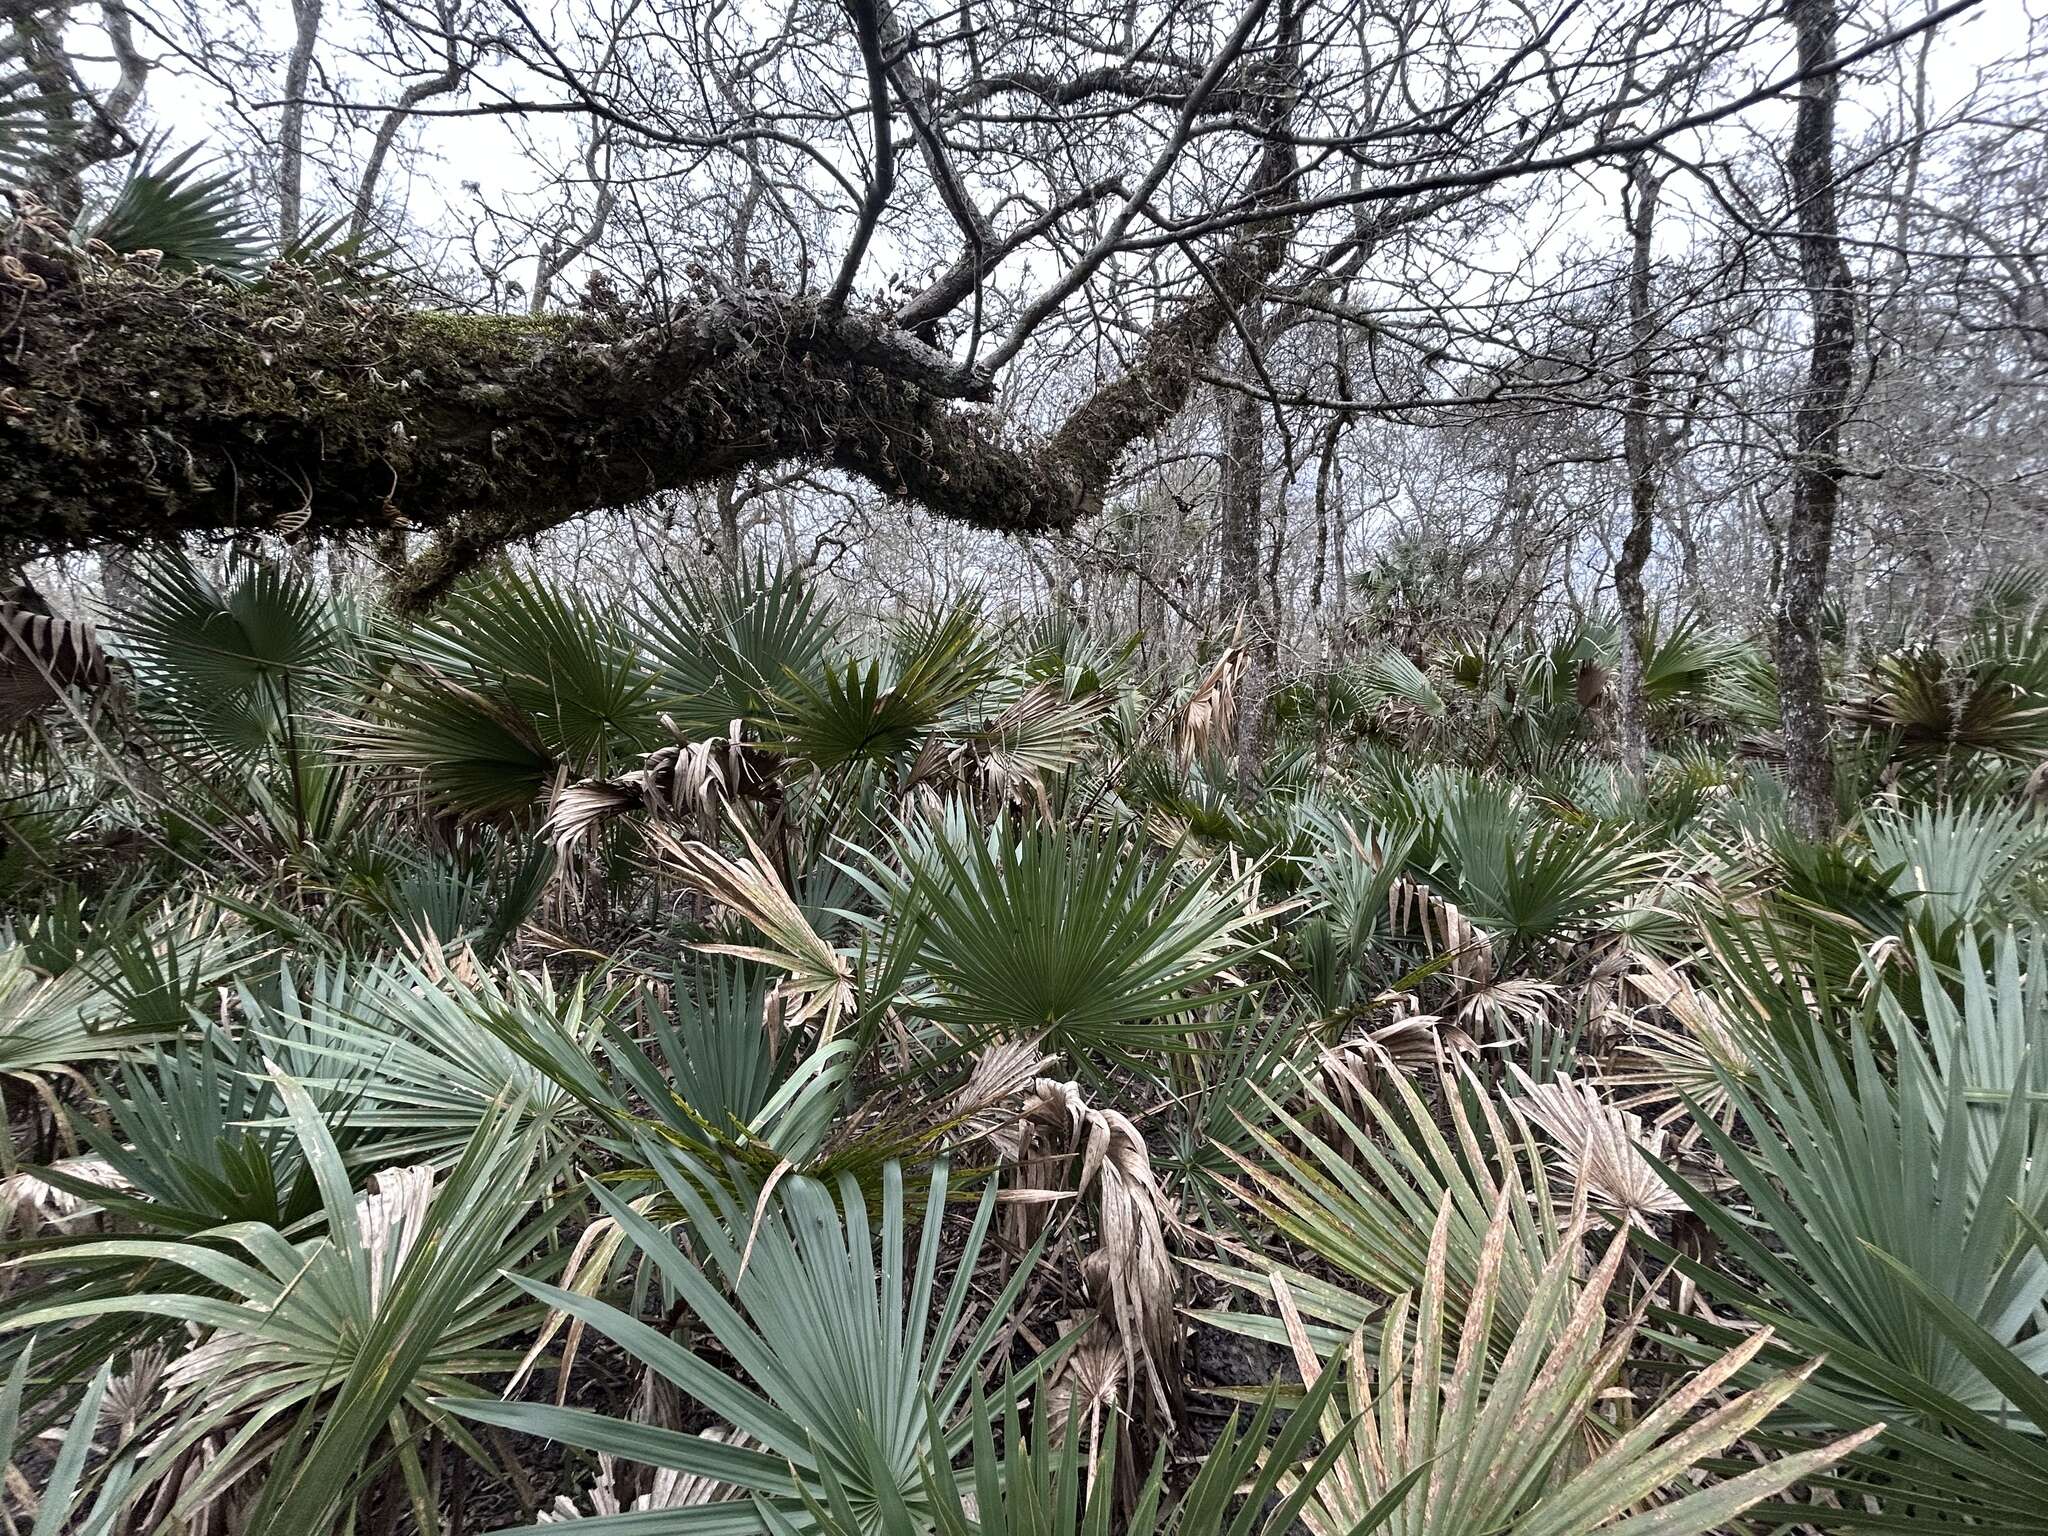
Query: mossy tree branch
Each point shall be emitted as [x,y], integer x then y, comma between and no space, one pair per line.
[137,406]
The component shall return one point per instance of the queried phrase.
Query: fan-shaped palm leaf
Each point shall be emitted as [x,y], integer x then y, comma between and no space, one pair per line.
[177,206]
[1064,934]
[1495,1448]
[845,1332]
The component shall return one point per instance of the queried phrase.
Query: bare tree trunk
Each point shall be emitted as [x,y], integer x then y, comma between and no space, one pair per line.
[725,496]
[1817,431]
[1639,449]
[120,585]
[81,139]
[450,76]
[1241,592]
[291,125]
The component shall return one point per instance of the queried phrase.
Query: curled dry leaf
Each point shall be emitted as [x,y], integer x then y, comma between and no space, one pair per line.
[992,1098]
[820,979]
[34,1201]
[1129,1272]
[688,779]
[1602,1148]
[1484,1003]
[1409,1046]
[1003,765]
[42,655]
[670,1489]
[1209,720]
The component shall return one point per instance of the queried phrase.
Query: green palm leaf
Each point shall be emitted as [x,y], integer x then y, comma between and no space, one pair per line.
[844,1331]
[1065,934]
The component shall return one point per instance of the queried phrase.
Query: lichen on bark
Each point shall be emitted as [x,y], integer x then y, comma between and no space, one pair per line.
[136,405]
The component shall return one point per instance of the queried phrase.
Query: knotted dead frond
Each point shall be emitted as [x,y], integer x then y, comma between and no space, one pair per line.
[1600,1147]
[1208,721]
[1129,1272]
[690,779]
[820,980]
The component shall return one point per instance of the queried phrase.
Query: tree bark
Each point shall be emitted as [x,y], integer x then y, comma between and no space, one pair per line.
[138,405]
[291,124]
[1817,429]
[1638,449]
[1241,593]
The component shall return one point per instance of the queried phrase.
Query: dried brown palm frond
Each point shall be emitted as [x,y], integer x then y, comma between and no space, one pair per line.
[391,1217]
[1055,1144]
[1085,1396]
[1208,721]
[1605,1000]
[1003,765]
[2034,793]
[41,655]
[1483,1002]
[688,779]
[819,979]
[1410,1045]
[1592,685]
[132,1396]
[1445,929]
[1600,1147]
[1688,1061]
[35,1202]
[991,1098]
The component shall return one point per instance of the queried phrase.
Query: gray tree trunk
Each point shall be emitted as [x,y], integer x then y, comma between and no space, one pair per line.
[1817,430]
[1240,589]
[1639,449]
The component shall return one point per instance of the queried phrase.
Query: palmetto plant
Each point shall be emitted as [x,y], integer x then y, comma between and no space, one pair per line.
[63,1505]
[1256,1481]
[176,204]
[845,1329]
[1879,1187]
[729,646]
[1959,863]
[1367,1187]
[110,989]
[374,1134]
[231,670]
[395,1303]
[1456,1447]
[1044,931]
[199,1138]
[422,1055]
[879,709]
[1523,877]
[509,683]
[1935,708]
